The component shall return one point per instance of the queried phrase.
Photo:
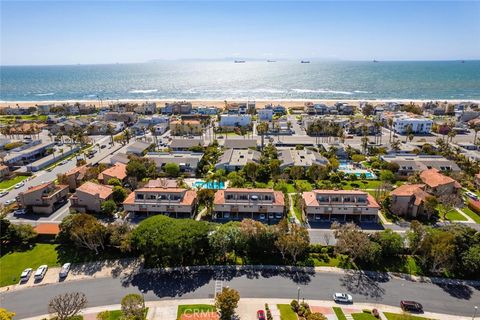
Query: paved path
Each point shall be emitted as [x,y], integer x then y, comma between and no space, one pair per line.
[453,298]
[469,220]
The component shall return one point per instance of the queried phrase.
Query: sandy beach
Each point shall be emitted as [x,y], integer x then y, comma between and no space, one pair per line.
[221,103]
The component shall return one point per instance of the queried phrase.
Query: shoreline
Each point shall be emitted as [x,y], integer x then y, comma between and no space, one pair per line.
[220,103]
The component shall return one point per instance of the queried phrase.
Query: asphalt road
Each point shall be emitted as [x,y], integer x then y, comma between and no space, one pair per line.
[449,299]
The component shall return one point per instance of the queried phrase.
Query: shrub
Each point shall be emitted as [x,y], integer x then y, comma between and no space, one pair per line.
[295,306]
[375,313]
[367,311]
[104,315]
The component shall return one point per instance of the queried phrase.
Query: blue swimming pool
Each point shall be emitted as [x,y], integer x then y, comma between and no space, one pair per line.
[209,185]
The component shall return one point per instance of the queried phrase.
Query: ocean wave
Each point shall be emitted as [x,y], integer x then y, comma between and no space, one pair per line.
[361,91]
[143,91]
[322,91]
[44,94]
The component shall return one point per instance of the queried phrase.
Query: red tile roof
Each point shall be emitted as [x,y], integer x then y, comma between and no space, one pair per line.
[119,170]
[277,195]
[409,190]
[93,188]
[82,169]
[310,198]
[37,187]
[189,196]
[433,178]
[47,228]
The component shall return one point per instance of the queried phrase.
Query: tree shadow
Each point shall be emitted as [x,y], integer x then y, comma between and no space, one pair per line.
[172,283]
[457,290]
[364,283]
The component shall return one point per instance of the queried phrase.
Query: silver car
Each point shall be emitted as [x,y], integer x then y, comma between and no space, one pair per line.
[65,270]
[342,298]
[25,275]
[40,272]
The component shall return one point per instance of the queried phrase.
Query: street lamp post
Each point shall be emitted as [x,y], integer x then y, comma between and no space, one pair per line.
[474,312]
[298,294]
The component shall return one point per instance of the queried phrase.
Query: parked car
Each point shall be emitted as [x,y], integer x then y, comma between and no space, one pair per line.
[65,270]
[342,298]
[20,212]
[19,185]
[471,195]
[25,275]
[411,306]
[103,146]
[40,272]
[63,162]
[3,193]
[262,216]
[9,201]
[261,315]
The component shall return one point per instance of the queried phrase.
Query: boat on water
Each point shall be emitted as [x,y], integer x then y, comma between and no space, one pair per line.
[375,61]
[305,61]
[271,61]
[239,61]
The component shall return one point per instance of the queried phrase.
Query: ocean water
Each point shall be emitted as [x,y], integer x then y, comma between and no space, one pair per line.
[251,80]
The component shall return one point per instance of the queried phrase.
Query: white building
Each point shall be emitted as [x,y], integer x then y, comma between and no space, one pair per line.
[235,120]
[418,125]
[265,114]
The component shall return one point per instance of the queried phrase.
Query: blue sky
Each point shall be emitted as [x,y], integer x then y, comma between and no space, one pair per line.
[72,32]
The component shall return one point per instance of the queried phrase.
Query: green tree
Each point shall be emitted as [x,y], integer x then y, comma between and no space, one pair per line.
[296,172]
[114,182]
[251,171]
[355,243]
[83,230]
[226,302]
[294,242]
[168,241]
[133,307]
[172,169]
[205,197]
[391,243]
[108,207]
[67,305]
[387,175]
[236,179]
[6,315]
[21,233]
[358,158]
[119,194]
[227,238]
[471,260]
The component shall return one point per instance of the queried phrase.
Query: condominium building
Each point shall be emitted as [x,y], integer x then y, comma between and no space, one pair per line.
[266,205]
[235,120]
[301,158]
[74,177]
[118,171]
[401,125]
[90,196]
[44,198]
[236,159]
[411,163]
[439,184]
[173,202]
[186,127]
[340,205]
[409,200]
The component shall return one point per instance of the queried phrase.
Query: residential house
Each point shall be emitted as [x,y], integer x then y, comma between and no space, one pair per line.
[68,126]
[146,108]
[118,170]
[403,124]
[186,144]
[138,148]
[235,120]
[438,184]
[409,200]
[278,109]
[172,202]
[340,205]
[411,163]
[265,114]
[44,109]
[44,198]
[101,127]
[186,127]
[207,110]
[178,107]
[125,117]
[187,161]
[266,205]
[240,143]
[236,159]
[300,158]
[75,176]
[90,196]
[241,107]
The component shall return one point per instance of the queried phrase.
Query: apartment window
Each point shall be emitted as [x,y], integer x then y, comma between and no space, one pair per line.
[229,197]
[140,196]
[243,197]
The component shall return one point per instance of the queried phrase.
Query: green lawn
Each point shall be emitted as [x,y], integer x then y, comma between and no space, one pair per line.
[363,316]
[454,215]
[117,314]
[399,316]
[339,313]
[194,308]
[12,118]
[471,214]
[12,264]
[11,182]
[362,184]
[286,312]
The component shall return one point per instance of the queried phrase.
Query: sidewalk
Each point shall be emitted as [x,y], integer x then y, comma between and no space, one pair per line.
[248,307]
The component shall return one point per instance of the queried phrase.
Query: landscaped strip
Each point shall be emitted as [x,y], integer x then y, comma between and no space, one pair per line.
[454,215]
[339,313]
[286,312]
[363,316]
[471,214]
[406,316]
[6,184]
[194,309]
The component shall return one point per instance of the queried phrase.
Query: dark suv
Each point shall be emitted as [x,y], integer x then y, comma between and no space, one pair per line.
[411,306]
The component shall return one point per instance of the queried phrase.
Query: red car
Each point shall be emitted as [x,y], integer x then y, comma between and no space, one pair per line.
[261,315]
[411,306]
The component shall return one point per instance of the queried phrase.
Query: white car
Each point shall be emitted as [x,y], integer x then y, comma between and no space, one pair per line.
[19,185]
[3,193]
[471,195]
[65,270]
[20,212]
[9,201]
[25,275]
[342,298]
[40,272]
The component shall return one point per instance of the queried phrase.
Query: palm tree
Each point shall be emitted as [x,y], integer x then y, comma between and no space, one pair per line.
[110,131]
[154,134]
[476,128]
[365,141]
[409,131]
[390,124]
[262,128]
